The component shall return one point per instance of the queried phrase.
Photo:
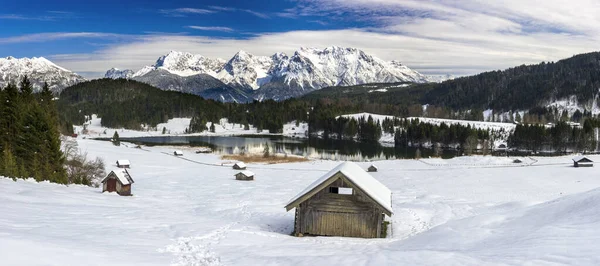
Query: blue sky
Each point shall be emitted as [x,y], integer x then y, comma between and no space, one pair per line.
[432,36]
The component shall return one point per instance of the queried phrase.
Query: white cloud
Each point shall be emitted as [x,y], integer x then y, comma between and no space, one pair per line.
[223,29]
[181,12]
[53,36]
[431,36]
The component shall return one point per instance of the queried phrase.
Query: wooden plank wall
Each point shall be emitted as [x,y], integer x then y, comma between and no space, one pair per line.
[330,214]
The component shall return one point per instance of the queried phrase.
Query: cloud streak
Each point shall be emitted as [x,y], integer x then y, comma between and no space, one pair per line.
[54,36]
[184,11]
[222,29]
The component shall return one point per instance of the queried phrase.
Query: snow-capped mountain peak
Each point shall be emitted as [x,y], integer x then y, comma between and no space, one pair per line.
[38,70]
[115,73]
[306,70]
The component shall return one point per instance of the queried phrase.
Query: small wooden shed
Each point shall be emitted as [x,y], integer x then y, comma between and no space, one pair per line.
[582,161]
[347,201]
[517,160]
[118,180]
[239,166]
[178,153]
[372,168]
[244,175]
[123,164]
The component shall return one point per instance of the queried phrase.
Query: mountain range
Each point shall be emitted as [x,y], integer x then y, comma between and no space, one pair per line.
[246,77]
[38,70]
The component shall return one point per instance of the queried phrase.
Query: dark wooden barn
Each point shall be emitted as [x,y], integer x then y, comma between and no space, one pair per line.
[118,181]
[372,168]
[582,161]
[347,201]
[244,175]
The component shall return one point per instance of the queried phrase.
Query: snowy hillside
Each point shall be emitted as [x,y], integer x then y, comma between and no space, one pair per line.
[280,76]
[503,130]
[38,70]
[192,211]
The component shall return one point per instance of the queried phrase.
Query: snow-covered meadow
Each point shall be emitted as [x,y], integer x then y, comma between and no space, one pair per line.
[190,210]
[178,126]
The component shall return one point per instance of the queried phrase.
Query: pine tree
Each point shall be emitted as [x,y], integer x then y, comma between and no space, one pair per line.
[115,139]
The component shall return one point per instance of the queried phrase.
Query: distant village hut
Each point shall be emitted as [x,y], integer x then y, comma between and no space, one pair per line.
[501,147]
[123,164]
[239,166]
[517,160]
[582,161]
[372,168]
[245,176]
[178,153]
[118,181]
[347,201]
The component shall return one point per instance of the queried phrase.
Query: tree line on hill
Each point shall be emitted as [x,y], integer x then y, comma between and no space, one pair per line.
[560,137]
[131,104]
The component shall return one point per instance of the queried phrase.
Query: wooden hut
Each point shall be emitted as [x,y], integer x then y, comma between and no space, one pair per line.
[582,161]
[244,175]
[178,153]
[517,160]
[372,168]
[118,181]
[346,201]
[239,166]
[123,164]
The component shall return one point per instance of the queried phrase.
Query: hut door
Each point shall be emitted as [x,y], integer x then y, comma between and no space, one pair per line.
[111,185]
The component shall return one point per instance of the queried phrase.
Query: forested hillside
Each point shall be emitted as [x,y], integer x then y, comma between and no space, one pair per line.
[520,88]
[30,142]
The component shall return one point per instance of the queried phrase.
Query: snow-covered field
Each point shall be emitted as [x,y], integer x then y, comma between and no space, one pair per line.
[178,126]
[191,211]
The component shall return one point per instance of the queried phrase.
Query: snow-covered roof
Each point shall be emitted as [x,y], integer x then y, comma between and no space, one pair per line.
[373,166]
[121,174]
[240,164]
[364,181]
[123,162]
[246,173]
[178,152]
[580,158]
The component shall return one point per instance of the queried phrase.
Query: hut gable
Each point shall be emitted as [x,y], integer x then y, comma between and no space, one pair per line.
[123,163]
[244,175]
[582,161]
[118,181]
[346,201]
[122,175]
[357,177]
[372,168]
[239,166]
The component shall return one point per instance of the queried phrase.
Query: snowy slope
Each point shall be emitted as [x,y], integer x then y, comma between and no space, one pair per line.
[38,70]
[186,213]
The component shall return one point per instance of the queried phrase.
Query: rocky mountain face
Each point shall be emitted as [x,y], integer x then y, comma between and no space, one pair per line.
[38,70]
[246,76]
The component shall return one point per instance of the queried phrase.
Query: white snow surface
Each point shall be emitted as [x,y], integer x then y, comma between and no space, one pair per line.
[368,184]
[186,213]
